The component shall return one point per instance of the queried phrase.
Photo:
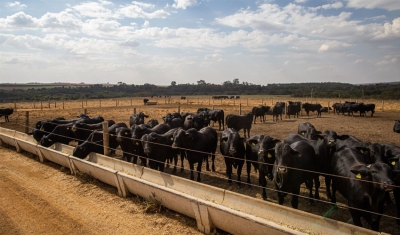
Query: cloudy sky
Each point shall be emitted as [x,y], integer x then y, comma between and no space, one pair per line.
[159,41]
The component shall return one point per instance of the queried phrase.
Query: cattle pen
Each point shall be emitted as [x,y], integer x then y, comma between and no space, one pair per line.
[121,110]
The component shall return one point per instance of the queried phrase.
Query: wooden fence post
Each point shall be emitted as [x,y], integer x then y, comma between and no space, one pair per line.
[100,103]
[213,107]
[105,138]
[240,109]
[179,109]
[329,105]
[134,110]
[26,122]
[41,105]
[131,101]
[63,104]
[382,105]
[208,101]
[84,111]
[247,101]
[82,103]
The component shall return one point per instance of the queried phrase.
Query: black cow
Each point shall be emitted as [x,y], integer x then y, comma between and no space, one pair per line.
[83,130]
[240,122]
[353,107]
[61,134]
[278,110]
[185,114]
[392,157]
[203,142]
[336,108]
[152,123]
[292,167]
[312,107]
[217,115]
[369,108]
[323,149]
[396,127]
[260,112]
[6,112]
[261,154]
[362,196]
[130,152]
[37,133]
[94,142]
[137,119]
[158,149]
[294,109]
[196,121]
[308,130]
[325,109]
[232,148]
[138,132]
[203,110]
[145,101]
[183,97]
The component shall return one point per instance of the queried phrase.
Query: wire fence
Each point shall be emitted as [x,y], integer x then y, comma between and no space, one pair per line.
[247,160]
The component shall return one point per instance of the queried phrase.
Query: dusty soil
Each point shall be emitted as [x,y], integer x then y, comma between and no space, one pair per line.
[89,216]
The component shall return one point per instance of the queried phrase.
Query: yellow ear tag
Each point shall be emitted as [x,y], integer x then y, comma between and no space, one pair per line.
[393,163]
[137,143]
[67,128]
[172,138]
[362,151]
[269,155]
[126,132]
[253,143]
[302,133]
[358,176]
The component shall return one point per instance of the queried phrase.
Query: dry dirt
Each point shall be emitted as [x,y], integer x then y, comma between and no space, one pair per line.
[74,205]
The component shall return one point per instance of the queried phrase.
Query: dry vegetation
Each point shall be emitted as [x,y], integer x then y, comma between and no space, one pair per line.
[374,129]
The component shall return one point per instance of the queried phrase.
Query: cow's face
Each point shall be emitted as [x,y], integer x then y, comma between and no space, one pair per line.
[283,156]
[46,142]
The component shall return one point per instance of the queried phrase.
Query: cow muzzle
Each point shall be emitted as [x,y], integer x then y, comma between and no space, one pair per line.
[232,151]
[282,170]
[261,152]
[174,146]
[387,186]
[146,150]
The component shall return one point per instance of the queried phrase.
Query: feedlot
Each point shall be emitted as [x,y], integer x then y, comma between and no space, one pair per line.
[374,129]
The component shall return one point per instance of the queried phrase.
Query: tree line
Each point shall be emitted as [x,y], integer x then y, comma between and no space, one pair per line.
[98,91]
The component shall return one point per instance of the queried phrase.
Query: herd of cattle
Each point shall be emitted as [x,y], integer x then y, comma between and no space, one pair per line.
[363,172]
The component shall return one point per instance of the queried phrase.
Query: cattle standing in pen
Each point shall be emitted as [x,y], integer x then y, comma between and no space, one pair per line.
[233,150]
[363,196]
[312,107]
[6,112]
[260,153]
[293,166]
[203,143]
[239,122]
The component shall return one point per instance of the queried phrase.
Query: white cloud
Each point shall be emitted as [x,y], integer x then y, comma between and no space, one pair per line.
[334,46]
[335,5]
[390,5]
[183,4]
[146,24]
[136,11]
[359,61]
[18,20]
[95,10]
[15,5]
[388,31]
[300,1]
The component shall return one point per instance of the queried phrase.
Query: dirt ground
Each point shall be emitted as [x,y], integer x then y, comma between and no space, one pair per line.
[73,199]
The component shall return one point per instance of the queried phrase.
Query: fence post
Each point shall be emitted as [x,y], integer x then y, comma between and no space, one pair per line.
[179,109]
[63,104]
[105,138]
[41,105]
[134,110]
[286,107]
[234,102]
[55,104]
[84,111]
[262,102]
[116,102]
[213,107]
[382,105]
[34,105]
[82,103]
[221,101]
[100,103]
[26,122]
[208,101]
[247,101]
[272,101]
[131,101]
[240,109]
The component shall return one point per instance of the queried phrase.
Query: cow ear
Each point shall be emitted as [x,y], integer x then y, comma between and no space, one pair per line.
[360,171]
[253,140]
[146,116]
[320,137]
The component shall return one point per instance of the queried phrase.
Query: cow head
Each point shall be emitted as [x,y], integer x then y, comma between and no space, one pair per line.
[283,155]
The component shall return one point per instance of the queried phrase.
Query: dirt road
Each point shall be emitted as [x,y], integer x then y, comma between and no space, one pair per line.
[38,198]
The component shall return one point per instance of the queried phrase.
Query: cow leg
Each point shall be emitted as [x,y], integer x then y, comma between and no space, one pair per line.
[396,194]
[333,198]
[199,163]
[328,180]
[263,183]
[281,197]
[309,185]
[248,169]
[191,166]
[295,197]
[183,155]
[228,170]
[207,165]
[213,162]
[239,172]
[175,157]
[161,166]
[317,185]
[356,217]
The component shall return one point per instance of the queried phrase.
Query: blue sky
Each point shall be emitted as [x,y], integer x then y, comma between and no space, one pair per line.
[159,41]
